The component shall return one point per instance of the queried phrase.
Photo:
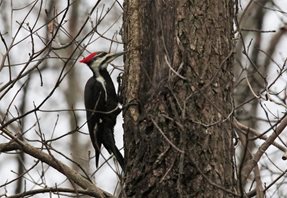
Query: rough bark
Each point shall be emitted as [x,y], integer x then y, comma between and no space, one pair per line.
[177,88]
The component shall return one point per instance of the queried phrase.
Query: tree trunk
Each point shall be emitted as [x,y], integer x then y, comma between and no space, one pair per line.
[177,94]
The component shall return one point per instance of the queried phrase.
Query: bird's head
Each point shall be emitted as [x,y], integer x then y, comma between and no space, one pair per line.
[99,60]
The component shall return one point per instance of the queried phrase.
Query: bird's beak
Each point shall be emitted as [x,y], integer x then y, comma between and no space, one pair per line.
[113,56]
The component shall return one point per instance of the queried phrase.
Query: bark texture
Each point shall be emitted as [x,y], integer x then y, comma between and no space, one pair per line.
[177,90]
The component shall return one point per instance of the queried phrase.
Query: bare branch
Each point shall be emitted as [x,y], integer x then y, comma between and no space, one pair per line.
[262,149]
[52,161]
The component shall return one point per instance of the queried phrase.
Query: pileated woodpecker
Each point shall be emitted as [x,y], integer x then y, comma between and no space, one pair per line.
[101,102]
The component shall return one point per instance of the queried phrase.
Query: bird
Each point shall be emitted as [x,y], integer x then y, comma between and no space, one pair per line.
[102,104]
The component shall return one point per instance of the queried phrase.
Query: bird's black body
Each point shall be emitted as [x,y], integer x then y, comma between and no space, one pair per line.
[101,102]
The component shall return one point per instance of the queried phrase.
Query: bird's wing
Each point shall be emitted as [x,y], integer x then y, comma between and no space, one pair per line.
[109,144]
[94,103]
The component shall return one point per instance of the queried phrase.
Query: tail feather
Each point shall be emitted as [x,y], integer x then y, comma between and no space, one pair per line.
[119,157]
[97,158]
[109,143]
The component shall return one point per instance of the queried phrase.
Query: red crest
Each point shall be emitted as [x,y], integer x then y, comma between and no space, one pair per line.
[88,58]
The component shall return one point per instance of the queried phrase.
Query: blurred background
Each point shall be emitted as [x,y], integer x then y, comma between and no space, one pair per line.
[45,40]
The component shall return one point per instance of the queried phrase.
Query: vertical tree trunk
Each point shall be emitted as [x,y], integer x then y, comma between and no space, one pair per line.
[78,148]
[177,88]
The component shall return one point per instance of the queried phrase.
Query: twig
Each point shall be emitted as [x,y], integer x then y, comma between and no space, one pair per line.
[166,138]
[262,149]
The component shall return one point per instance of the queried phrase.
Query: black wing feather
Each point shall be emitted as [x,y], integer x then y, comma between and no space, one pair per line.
[94,102]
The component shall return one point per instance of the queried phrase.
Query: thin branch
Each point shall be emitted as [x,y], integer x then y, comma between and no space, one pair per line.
[53,190]
[259,185]
[262,136]
[262,149]
[58,165]
[166,138]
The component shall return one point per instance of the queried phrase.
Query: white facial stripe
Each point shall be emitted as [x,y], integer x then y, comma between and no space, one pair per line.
[101,80]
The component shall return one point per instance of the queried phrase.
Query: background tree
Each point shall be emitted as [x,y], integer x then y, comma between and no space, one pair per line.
[260,96]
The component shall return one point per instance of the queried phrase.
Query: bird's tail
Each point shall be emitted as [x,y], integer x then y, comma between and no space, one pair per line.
[109,144]
[114,150]
[119,157]
[97,157]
